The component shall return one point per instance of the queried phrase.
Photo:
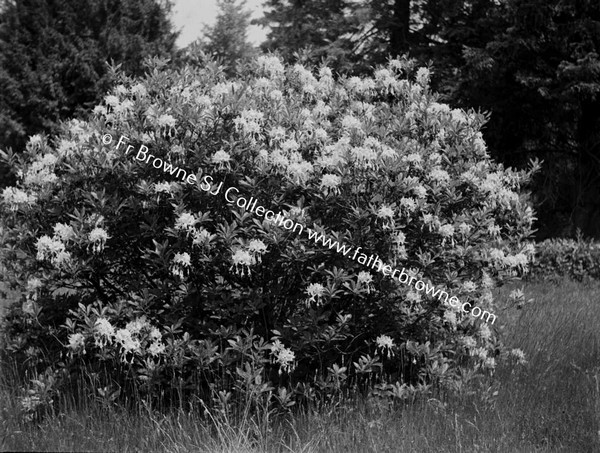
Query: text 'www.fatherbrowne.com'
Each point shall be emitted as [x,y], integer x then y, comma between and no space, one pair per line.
[232,197]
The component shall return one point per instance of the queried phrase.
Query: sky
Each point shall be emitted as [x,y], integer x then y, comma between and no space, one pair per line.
[189,16]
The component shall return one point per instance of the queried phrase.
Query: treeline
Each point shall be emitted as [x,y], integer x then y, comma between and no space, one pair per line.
[534,65]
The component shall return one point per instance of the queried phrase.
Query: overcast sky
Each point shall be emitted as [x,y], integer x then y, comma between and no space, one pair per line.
[189,16]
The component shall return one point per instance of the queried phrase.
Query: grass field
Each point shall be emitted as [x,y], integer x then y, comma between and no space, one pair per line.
[550,405]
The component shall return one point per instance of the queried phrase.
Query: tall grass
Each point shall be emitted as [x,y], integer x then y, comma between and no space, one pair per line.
[550,405]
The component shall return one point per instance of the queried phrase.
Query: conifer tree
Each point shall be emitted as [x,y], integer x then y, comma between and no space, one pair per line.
[227,39]
[54,55]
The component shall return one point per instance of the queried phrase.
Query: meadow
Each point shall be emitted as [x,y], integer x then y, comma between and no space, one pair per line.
[552,404]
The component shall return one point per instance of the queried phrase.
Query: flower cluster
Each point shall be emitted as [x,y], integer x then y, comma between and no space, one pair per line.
[285,357]
[244,257]
[138,338]
[180,264]
[15,198]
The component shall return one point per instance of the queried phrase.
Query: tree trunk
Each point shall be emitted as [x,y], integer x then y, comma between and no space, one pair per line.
[586,210]
[399,30]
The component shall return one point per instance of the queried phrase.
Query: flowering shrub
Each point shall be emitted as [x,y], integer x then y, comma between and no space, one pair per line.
[557,258]
[152,283]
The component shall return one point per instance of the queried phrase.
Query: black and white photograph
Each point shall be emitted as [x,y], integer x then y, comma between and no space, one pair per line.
[276,226]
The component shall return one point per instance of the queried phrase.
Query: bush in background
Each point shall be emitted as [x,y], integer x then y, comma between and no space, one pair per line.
[578,259]
[142,286]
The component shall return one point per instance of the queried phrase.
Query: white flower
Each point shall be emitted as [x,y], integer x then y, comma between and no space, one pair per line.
[400,238]
[270,66]
[290,145]
[497,255]
[186,222]
[413,296]
[137,325]
[276,95]
[257,246]
[283,356]
[420,191]
[29,307]
[127,342]
[300,172]
[413,158]
[330,183]
[64,232]
[464,228]
[166,120]
[440,176]
[103,332]
[76,341]
[242,260]
[164,187]
[154,334]
[61,258]
[351,123]
[365,277]
[35,141]
[222,158]
[446,231]
[489,362]
[364,156]
[249,121]
[182,259]
[315,291]
[14,198]
[33,284]
[437,108]
[321,110]
[487,281]
[156,348]
[201,236]
[112,100]
[30,404]
[450,317]
[468,342]
[479,143]
[386,344]
[277,133]
[458,116]
[518,260]
[48,248]
[408,203]
[494,230]
[98,237]
[423,76]
[385,212]
[139,90]
[125,107]
[48,160]
[520,355]
[469,286]
[484,332]
[100,110]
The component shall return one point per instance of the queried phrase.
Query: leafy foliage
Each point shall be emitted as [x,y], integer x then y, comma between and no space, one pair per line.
[158,284]
[578,259]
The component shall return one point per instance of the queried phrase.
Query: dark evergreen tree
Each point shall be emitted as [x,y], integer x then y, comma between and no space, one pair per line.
[538,73]
[319,30]
[54,54]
